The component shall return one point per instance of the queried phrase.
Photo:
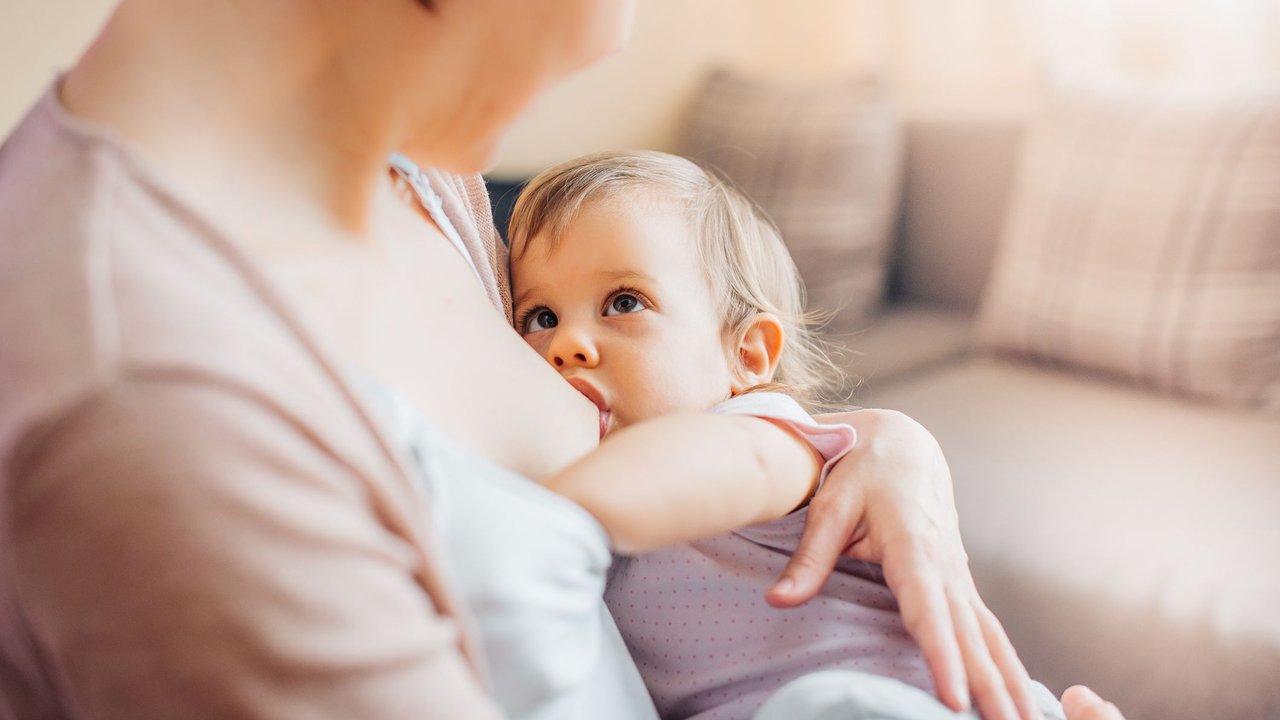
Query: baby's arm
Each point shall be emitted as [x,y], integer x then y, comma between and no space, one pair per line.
[683,477]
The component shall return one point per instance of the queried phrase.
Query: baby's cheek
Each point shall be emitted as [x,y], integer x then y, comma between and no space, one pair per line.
[683,387]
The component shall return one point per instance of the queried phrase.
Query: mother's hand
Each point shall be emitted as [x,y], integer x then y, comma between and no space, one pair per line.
[890,501]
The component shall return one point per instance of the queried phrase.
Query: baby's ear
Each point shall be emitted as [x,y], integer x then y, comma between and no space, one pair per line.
[758,350]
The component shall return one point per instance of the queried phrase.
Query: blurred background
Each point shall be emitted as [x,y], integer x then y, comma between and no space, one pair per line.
[1047,229]
[953,58]
[950,57]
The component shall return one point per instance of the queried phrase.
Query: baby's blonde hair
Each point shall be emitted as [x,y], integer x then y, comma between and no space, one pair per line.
[750,269]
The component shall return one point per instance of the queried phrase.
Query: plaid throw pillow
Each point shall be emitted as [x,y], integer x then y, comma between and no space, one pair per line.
[824,161]
[1143,239]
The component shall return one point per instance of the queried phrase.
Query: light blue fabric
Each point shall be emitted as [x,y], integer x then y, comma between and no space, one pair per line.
[846,695]
[532,567]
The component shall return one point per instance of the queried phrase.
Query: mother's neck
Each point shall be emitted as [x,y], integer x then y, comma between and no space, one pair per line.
[234,97]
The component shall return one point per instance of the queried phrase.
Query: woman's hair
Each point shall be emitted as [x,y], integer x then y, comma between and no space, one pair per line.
[748,264]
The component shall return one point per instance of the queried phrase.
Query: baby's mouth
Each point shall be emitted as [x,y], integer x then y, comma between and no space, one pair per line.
[591,393]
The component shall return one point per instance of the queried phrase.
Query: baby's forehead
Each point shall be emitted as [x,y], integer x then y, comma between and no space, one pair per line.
[660,256]
[630,204]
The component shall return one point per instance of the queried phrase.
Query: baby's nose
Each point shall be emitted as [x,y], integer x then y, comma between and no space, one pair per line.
[572,349]
[580,357]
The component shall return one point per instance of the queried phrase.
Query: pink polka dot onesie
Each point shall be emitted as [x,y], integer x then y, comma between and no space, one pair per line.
[705,641]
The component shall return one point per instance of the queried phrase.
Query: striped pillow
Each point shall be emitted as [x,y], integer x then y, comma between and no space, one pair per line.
[824,161]
[1142,239]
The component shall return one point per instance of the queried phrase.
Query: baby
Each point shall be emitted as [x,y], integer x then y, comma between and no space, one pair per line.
[661,293]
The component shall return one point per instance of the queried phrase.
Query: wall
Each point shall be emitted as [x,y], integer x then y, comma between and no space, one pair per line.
[37,39]
[940,56]
[634,99]
[943,59]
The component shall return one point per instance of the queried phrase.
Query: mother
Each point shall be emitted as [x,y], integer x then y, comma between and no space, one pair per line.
[200,236]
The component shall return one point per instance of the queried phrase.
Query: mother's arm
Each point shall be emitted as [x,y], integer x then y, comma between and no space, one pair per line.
[191,551]
[890,501]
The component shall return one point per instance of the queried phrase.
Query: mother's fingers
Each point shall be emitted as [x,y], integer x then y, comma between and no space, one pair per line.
[927,617]
[1006,659]
[827,533]
[989,691]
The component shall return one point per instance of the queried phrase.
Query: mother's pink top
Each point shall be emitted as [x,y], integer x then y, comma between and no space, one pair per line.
[197,513]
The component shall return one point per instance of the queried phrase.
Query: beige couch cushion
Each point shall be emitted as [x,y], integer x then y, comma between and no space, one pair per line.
[1128,540]
[824,160]
[1143,239]
[902,340]
[958,174]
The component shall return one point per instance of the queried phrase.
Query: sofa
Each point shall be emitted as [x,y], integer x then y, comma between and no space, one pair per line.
[1128,538]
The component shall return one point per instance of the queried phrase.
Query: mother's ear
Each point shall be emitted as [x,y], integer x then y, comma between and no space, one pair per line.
[758,349]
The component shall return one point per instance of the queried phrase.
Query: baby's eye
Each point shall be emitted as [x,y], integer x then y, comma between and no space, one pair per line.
[536,320]
[624,303]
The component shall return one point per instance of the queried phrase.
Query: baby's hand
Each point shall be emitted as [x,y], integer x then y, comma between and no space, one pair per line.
[1081,703]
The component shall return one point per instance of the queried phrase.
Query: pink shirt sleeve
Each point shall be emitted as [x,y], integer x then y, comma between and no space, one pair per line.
[177,545]
[831,441]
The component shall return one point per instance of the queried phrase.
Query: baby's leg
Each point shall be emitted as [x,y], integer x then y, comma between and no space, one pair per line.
[848,695]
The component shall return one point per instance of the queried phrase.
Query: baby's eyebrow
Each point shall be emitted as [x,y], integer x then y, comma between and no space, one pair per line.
[626,275]
[523,296]
[612,275]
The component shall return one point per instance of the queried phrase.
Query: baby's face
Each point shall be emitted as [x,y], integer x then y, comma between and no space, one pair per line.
[623,310]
